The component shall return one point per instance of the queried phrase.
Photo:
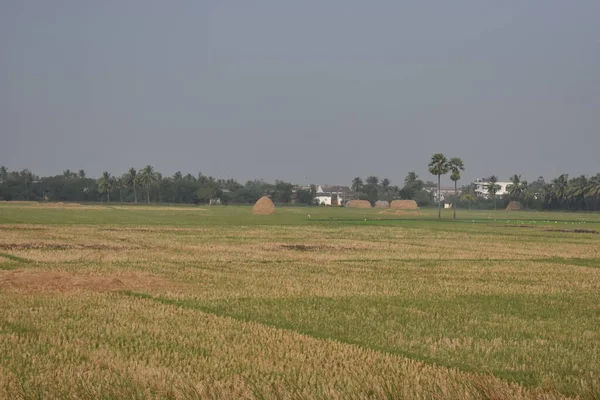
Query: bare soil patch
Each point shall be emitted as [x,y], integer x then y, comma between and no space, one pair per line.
[158,208]
[574,231]
[57,281]
[318,247]
[66,246]
[22,228]
[400,212]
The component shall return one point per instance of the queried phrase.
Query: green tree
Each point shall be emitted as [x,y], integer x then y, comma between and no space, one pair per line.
[105,184]
[560,188]
[577,190]
[3,173]
[131,180]
[439,166]
[493,188]
[456,165]
[81,174]
[517,188]
[147,177]
[357,184]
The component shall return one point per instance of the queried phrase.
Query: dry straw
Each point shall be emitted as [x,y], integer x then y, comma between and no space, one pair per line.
[405,204]
[358,204]
[382,204]
[514,206]
[264,206]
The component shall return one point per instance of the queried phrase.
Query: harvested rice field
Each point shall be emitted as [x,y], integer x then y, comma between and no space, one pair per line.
[111,302]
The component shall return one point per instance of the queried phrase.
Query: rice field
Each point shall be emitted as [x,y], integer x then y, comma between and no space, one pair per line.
[168,302]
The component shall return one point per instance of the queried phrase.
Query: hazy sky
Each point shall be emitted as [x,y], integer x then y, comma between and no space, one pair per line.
[304,91]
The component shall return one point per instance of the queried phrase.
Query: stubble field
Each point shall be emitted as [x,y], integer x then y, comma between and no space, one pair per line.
[212,302]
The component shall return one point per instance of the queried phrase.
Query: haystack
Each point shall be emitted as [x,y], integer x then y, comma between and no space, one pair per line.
[404,204]
[382,204]
[264,206]
[514,206]
[358,204]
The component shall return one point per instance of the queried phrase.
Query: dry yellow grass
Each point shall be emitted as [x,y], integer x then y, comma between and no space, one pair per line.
[291,311]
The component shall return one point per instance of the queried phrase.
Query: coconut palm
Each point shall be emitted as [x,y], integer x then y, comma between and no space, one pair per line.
[357,184]
[147,178]
[516,188]
[120,183]
[593,189]
[130,180]
[578,188]
[456,166]
[493,188]
[105,184]
[560,186]
[439,166]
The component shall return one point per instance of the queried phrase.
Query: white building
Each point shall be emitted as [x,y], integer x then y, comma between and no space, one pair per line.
[481,188]
[332,195]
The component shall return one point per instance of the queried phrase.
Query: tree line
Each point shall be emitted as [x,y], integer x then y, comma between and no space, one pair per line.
[147,185]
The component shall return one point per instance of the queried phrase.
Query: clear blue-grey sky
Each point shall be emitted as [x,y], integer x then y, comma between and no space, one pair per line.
[303,91]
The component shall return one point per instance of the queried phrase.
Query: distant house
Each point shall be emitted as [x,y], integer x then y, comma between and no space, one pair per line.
[443,194]
[481,188]
[332,195]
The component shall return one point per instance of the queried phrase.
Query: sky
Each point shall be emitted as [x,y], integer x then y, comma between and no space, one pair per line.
[314,91]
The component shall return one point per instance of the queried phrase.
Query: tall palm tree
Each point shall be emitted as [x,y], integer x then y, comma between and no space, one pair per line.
[120,184]
[516,188]
[593,189]
[456,166]
[131,181]
[357,184]
[105,184]
[578,188]
[560,186]
[147,178]
[493,187]
[439,166]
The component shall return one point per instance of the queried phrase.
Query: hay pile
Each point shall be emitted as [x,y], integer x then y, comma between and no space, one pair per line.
[358,204]
[382,204]
[264,206]
[404,204]
[513,206]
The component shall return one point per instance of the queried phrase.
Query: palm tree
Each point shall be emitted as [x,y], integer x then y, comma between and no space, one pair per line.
[439,166]
[493,187]
[357,184]
[593,189]
[105,184]
[578,188]
[516,189]
[560,186]
[147,178]
[120,183]
[131,181]
[456,165]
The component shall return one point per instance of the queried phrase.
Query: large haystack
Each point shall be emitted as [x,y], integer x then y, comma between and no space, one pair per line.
[382,204]
[358,204]
[404,204]
[264,206]
[514,206]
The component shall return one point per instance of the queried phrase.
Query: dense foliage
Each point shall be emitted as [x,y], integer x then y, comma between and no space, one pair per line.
[147,185]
